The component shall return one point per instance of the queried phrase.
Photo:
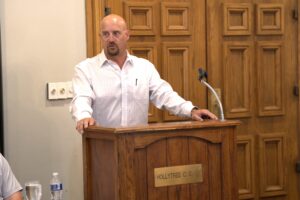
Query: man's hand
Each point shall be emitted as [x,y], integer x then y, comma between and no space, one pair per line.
[84,123]
[201,114]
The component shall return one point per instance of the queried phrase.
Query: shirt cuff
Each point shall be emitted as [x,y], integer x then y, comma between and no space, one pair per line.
[83,115]
[194,108]
[187,109]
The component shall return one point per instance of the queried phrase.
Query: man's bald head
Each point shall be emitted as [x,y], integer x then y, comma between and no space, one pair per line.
[113,19]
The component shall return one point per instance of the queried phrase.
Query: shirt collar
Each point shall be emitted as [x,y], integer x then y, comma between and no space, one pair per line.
[103,59]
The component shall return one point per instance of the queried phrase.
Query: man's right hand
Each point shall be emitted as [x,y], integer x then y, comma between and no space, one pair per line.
[84,123]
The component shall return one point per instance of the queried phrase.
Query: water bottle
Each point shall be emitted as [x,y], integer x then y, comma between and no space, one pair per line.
[56,187]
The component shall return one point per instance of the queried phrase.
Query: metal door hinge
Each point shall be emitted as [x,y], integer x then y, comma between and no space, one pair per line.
[296,90]
[107,11]
[298,167]
[295,14]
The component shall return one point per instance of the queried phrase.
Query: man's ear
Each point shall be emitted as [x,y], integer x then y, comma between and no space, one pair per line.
[127,34]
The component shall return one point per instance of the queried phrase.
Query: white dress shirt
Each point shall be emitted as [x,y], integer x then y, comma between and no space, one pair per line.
[8,182]
[117,97]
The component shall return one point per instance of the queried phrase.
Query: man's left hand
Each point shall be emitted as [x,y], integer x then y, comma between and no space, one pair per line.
[201,114]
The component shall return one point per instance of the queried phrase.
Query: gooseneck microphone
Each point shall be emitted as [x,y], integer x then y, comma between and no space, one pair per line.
[202,76]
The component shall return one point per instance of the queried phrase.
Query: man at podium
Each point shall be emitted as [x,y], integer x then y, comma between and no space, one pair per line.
[114,88]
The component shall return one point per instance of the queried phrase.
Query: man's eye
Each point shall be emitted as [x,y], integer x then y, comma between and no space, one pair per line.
[116,34]
[105,34]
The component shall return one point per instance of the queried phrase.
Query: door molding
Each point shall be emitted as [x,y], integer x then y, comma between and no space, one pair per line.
[92,29]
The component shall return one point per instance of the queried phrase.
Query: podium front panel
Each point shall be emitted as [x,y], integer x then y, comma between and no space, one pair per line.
[121,165]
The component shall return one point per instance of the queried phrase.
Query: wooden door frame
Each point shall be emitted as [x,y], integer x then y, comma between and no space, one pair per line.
[92,29]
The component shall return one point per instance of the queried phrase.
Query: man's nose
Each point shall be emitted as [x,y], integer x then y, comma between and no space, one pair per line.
[110,37]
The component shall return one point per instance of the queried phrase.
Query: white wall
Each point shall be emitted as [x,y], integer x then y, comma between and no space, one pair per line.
[41,42]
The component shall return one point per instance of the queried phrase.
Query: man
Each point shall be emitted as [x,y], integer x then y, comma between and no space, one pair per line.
[10,188]
[114,87]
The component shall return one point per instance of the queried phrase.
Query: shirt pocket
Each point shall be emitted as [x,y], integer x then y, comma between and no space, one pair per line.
[139,89]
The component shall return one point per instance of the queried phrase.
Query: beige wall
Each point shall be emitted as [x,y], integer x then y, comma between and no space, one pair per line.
[41,42]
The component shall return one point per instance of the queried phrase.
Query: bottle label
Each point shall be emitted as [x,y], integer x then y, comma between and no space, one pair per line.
[56,187]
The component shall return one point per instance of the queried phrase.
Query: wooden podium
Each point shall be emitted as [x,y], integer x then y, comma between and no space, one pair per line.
[165,161]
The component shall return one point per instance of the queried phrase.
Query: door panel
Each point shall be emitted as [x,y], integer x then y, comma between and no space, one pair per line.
[246,166]
[238,59]
[272,159]
[176,66]
[270,75]
[256,70]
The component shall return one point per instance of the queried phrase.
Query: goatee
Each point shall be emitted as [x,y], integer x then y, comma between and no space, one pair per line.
[113,50]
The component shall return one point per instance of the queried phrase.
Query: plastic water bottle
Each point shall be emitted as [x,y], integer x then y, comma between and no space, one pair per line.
[56,187]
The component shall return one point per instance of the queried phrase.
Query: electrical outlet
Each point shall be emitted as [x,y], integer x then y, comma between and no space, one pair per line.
[69,87]
[59,90]
[62,90]
[52,91]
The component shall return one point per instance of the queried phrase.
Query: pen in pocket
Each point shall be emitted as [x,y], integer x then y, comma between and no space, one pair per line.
[136,82]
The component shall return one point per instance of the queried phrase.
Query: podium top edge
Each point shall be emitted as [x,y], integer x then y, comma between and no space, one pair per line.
[166,126]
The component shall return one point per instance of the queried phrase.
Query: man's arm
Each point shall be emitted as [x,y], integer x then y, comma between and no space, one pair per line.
[15,196]
[162,95]
[11,188]
[84,123]
[80,106]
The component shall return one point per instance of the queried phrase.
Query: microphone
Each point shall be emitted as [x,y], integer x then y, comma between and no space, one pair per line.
[202,76]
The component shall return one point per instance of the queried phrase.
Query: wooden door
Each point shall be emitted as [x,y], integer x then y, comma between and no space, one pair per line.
[171,34]
[252,59]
